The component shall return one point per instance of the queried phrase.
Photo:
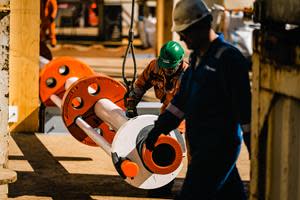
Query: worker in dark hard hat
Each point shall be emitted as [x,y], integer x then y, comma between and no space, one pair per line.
[164,74]
[214,98]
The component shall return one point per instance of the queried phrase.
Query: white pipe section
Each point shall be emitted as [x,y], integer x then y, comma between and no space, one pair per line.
[110,113]
[105,109]
[70,81]
[98,139]
[56,100]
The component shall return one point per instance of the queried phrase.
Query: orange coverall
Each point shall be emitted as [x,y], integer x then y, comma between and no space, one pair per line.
[165,87]
[48,14]
[153,76]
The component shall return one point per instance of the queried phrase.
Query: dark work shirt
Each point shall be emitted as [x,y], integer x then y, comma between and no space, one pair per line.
[215,92]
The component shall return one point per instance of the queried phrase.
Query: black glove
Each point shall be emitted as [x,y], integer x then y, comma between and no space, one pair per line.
[247,141]
[131,110]
[165,123]
[152,138]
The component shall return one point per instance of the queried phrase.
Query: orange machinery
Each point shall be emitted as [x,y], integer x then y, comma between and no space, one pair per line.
[93,111]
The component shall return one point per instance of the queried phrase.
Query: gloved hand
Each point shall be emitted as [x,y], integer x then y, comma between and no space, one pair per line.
[152,138]
[247,141]
[165,123]
[131,110]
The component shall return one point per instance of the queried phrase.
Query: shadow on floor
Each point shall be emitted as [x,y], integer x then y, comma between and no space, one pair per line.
[50,179]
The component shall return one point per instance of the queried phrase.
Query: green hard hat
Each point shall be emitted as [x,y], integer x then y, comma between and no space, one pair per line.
[171,54]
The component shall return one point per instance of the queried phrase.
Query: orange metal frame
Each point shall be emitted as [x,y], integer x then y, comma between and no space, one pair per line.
[59,70]
[107,88]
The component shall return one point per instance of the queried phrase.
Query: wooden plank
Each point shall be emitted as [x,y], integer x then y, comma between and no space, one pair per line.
[265,101]
[238,4]
[77,31]
[283,150]
[230,4]
[3,192]
[115,73]
[275,170]
[280,179]
[282,11]
[292,146]
[4,64]
[274,165]
[164,10]
[114,62]
[24,63]
[284,79]
[7,176]
[255,124]
[261,102]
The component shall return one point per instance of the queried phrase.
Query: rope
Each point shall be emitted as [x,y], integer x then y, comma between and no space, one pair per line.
[129,83]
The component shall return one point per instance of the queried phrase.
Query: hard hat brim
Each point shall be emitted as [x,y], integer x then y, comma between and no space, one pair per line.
[182,27]
[162,64]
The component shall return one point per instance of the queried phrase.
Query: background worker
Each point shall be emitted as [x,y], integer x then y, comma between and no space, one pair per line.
[214,97]
[48,14]
[164,74]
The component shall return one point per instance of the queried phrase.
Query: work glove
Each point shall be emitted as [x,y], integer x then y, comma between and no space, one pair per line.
[247,141]
[131,110]
[165,123]
[152,138]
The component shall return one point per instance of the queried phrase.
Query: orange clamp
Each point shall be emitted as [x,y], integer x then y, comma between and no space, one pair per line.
[166,156]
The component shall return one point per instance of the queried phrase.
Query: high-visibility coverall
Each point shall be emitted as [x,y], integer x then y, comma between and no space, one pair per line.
[48,14]
[214,97]
[165,87]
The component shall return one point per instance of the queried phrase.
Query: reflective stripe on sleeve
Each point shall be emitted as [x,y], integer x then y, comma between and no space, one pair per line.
[175,111]
[246,128]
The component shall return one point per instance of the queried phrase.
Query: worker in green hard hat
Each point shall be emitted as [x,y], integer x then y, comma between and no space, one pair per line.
[164,75]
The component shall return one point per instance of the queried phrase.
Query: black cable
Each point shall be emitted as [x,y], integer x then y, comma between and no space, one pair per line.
[129,83]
